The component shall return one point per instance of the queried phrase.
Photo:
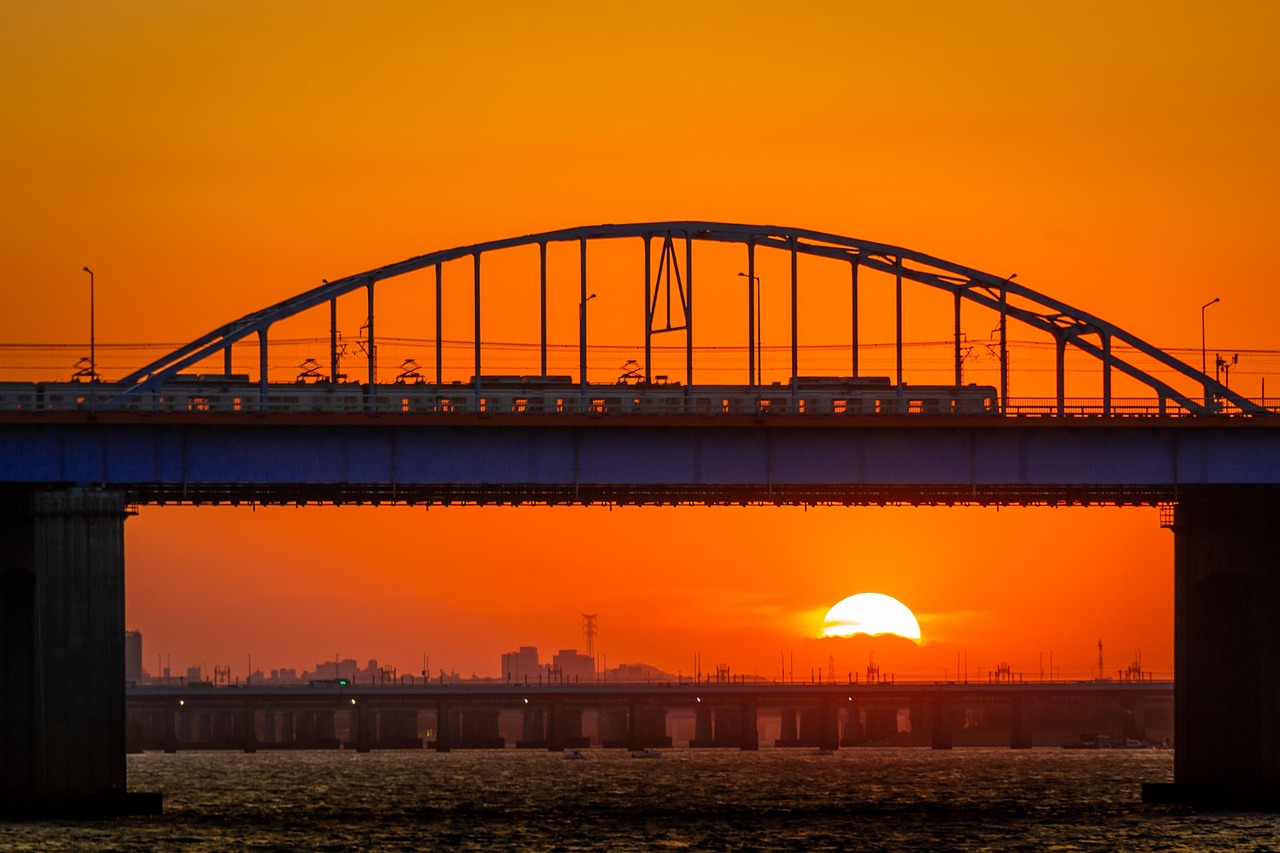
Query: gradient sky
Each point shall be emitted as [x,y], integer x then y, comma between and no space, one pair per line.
[208,158]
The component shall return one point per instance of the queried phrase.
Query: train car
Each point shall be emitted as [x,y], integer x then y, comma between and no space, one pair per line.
[511,395]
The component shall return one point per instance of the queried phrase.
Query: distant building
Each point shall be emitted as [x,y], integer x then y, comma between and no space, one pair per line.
[194,675]
[574,668]
[133,657]
[521,666]
[345,668]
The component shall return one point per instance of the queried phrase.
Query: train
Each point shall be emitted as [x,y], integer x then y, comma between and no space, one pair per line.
[508,395]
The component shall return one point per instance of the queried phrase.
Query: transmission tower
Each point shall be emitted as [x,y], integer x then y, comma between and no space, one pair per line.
[589,631]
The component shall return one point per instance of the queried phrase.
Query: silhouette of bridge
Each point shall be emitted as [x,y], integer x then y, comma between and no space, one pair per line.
[626,715]
[75,456]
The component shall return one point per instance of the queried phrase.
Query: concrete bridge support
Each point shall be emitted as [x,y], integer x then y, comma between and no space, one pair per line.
[533,728]
[446,727]
[364,726]
[1226,552]
[62,717]
[829,720]
[1020,729]
[789,733]
[268,728]
[854,730]
[246,725]
[703,727]
[287,728]
[169,735]
[940,728]
[612,725]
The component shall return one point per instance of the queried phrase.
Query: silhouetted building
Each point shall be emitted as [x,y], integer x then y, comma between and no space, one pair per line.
[133,656]
[574,667]
[521,666]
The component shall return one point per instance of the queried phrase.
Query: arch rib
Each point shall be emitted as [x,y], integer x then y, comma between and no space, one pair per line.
[1050,316]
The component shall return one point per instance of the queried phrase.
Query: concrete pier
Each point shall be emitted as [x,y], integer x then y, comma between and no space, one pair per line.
[940,728]
[1227,649]
[62,722]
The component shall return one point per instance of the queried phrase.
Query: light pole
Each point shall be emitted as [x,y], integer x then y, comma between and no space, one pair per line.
[1204,363]
[582,341]
[93,360]
[755,280]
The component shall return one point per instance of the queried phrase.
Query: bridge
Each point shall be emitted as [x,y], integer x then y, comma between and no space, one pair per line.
[637,716]
[193,427]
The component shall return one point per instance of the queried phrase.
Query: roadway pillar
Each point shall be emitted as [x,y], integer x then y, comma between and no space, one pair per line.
[829,734]
[940,732]
[326,732]
[854,731]
[703,729]
[1020,733]
[169,739]
[304,728]
[268,727]
[446,727]
[788,733]
[750,737]
[364,721]
[247,723]
[62,708]
[1226,547]
[635,727]
[533,728]
[287,728]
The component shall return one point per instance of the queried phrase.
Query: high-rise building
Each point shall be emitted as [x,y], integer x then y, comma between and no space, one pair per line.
[574,667]
[521,666]
[133,657]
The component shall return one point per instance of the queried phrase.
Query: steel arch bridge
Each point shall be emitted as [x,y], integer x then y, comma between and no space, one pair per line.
[672,279]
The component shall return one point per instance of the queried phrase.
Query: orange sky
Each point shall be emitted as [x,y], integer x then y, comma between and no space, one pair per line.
[209,158]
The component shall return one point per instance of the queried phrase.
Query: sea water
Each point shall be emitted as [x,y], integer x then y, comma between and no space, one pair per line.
[774,799]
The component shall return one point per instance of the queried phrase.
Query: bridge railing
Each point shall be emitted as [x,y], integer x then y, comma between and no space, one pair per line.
[323,398]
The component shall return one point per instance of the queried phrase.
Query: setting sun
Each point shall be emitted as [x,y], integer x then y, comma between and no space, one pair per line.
[871,613]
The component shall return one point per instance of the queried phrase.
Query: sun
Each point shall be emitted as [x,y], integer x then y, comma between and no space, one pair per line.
[871,613]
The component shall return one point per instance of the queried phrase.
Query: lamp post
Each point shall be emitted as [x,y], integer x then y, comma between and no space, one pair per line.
[754,280]
[582,341]
[1204,363]
[93,360]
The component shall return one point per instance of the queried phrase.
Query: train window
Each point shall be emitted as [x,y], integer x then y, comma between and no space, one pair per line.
[598,406]
[801,409]
[724,405]
[404,404]
[520,404]
[236,404]
[198,404]
[559,404]
[444,405]
[483,404]
[839,407]
[880,407]
[764,407]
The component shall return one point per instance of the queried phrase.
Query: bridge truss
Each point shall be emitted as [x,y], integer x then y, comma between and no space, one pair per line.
[669,307]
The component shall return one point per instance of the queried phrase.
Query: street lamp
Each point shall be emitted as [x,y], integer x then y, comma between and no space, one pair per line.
[582,340]
[755,280]
[1204,364]
[93,360]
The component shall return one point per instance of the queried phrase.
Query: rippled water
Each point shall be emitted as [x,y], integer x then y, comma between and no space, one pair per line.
[856,799]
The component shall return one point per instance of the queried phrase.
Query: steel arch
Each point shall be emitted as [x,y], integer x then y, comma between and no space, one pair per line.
[1063,322]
